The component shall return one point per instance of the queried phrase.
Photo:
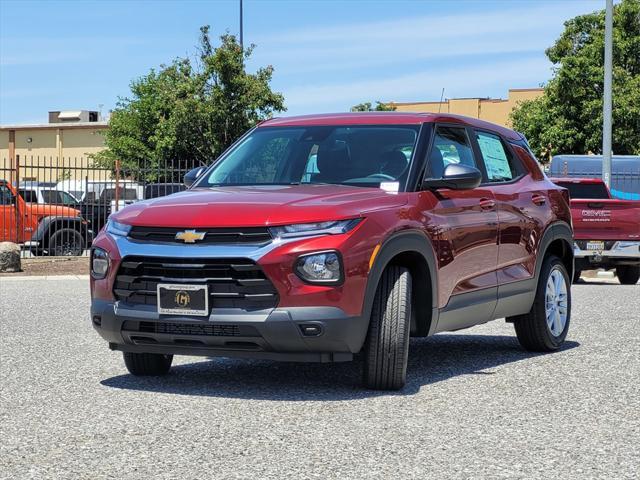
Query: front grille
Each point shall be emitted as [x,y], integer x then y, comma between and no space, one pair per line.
[233,283]
[247,235]
[203,329]
[582,244]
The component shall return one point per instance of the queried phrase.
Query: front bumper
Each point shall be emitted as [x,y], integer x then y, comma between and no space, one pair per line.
[275,334]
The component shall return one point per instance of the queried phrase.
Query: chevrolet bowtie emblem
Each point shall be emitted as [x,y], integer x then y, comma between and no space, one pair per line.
[190,236]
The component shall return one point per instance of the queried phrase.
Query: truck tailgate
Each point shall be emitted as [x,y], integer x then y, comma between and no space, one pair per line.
[606,219]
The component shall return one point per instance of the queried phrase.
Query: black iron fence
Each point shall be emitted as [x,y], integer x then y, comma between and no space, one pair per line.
[56,205]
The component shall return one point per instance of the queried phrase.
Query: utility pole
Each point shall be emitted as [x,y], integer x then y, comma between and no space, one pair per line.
[241,42]
[608,73]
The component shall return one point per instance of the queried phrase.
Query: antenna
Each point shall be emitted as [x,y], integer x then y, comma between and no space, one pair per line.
[441,97]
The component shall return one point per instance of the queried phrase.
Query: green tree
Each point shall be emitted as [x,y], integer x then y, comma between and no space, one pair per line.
[188,112]
[567,118]
[367,107]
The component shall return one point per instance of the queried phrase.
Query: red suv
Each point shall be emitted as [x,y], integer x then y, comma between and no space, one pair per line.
[318,237]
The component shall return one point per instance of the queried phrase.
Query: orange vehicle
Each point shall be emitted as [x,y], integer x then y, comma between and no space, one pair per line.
[42,229]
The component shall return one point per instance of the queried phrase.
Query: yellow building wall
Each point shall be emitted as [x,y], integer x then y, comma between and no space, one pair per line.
[490,109]
[53,154]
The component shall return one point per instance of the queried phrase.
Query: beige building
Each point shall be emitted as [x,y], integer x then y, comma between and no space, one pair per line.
[52,151]
[495,110]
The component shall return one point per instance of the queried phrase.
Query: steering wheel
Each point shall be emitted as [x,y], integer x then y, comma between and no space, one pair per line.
[382,176]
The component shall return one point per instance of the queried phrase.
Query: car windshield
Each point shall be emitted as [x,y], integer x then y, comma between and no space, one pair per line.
[365,156]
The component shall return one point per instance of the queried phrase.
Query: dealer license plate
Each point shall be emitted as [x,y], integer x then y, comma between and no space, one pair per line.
[177,299]
[595,245]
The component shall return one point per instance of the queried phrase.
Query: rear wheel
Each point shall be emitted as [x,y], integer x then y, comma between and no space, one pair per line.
[545,327]
[66,242]
[387,346]
[628,274]
[141,364]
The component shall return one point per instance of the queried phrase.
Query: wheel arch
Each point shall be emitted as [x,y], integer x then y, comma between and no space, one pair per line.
[47,226]
[413,250]
[557,240]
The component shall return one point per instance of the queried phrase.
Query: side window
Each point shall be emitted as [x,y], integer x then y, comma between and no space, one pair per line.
[6,197]
[29,196]
[450,145]
[497,160]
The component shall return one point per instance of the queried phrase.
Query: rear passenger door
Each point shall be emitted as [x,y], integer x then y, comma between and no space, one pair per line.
[521,212]
[467,238]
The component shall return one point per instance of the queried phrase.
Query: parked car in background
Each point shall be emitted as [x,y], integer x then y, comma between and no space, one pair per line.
[155,190]
[625,172]
[41,228]
[606,229]
[103,198]
[34,193]
[315,238]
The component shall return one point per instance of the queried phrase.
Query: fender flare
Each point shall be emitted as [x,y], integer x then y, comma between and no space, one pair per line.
[45,224]
[397,243]
[556,231]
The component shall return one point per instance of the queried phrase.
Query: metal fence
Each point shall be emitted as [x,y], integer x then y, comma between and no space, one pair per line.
[55,206]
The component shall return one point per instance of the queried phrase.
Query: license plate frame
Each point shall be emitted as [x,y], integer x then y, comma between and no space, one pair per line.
[595,245]
[176,299]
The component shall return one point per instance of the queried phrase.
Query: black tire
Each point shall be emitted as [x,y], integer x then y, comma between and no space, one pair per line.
[628,274]
[141,364]
[532,330]
[66,242]
[387,345]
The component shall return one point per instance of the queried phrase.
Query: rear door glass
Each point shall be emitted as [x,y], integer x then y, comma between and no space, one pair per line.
[497,161]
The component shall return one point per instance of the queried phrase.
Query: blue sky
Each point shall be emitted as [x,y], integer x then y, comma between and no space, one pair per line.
[327,55]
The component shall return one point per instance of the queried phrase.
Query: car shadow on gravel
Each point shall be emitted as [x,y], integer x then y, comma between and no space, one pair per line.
[431,360]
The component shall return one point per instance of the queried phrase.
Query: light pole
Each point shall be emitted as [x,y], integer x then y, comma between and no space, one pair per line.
[241,42]
[608,72]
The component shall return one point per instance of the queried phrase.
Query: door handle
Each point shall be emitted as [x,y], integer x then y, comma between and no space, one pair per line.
[487,203]
[539,199]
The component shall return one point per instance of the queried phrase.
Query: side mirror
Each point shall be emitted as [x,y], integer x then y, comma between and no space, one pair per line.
[192,176]
[456,177]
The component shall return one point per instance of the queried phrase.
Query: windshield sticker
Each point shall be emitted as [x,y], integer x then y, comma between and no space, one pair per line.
[391,187]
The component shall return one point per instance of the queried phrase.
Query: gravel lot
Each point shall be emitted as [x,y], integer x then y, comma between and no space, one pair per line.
[476,406]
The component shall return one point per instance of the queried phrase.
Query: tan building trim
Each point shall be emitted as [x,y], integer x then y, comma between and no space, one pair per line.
[63,126]
[495,110]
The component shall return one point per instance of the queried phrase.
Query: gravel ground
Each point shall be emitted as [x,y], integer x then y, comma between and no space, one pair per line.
[476,406]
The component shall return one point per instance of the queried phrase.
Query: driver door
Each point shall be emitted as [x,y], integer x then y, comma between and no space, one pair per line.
[467,232]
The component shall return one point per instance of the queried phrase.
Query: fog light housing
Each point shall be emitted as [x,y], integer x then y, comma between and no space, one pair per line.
[320,268]
[99,263]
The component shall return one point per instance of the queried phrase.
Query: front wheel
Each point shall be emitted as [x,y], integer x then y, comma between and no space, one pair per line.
[545,327]
[387,345]
[142,364]
[66,242]
[628,274]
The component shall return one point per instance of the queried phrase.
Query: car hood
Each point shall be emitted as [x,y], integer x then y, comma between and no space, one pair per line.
[52,210]
[258,205]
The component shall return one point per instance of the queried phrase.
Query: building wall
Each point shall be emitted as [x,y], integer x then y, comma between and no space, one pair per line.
[495,110]
[52,154]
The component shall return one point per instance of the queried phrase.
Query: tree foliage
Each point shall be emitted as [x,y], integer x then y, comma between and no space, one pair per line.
[188,112]
[567,118]
[368,107]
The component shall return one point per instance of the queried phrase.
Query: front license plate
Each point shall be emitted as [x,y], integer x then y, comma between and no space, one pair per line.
[176,299]
[595,245]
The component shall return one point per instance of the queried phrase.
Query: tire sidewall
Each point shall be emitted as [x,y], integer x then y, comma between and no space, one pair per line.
[553,263]
[59,237]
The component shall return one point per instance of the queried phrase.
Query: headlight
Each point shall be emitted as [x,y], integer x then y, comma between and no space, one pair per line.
[99,263]
[334,227]
[321,267]
[117,228]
